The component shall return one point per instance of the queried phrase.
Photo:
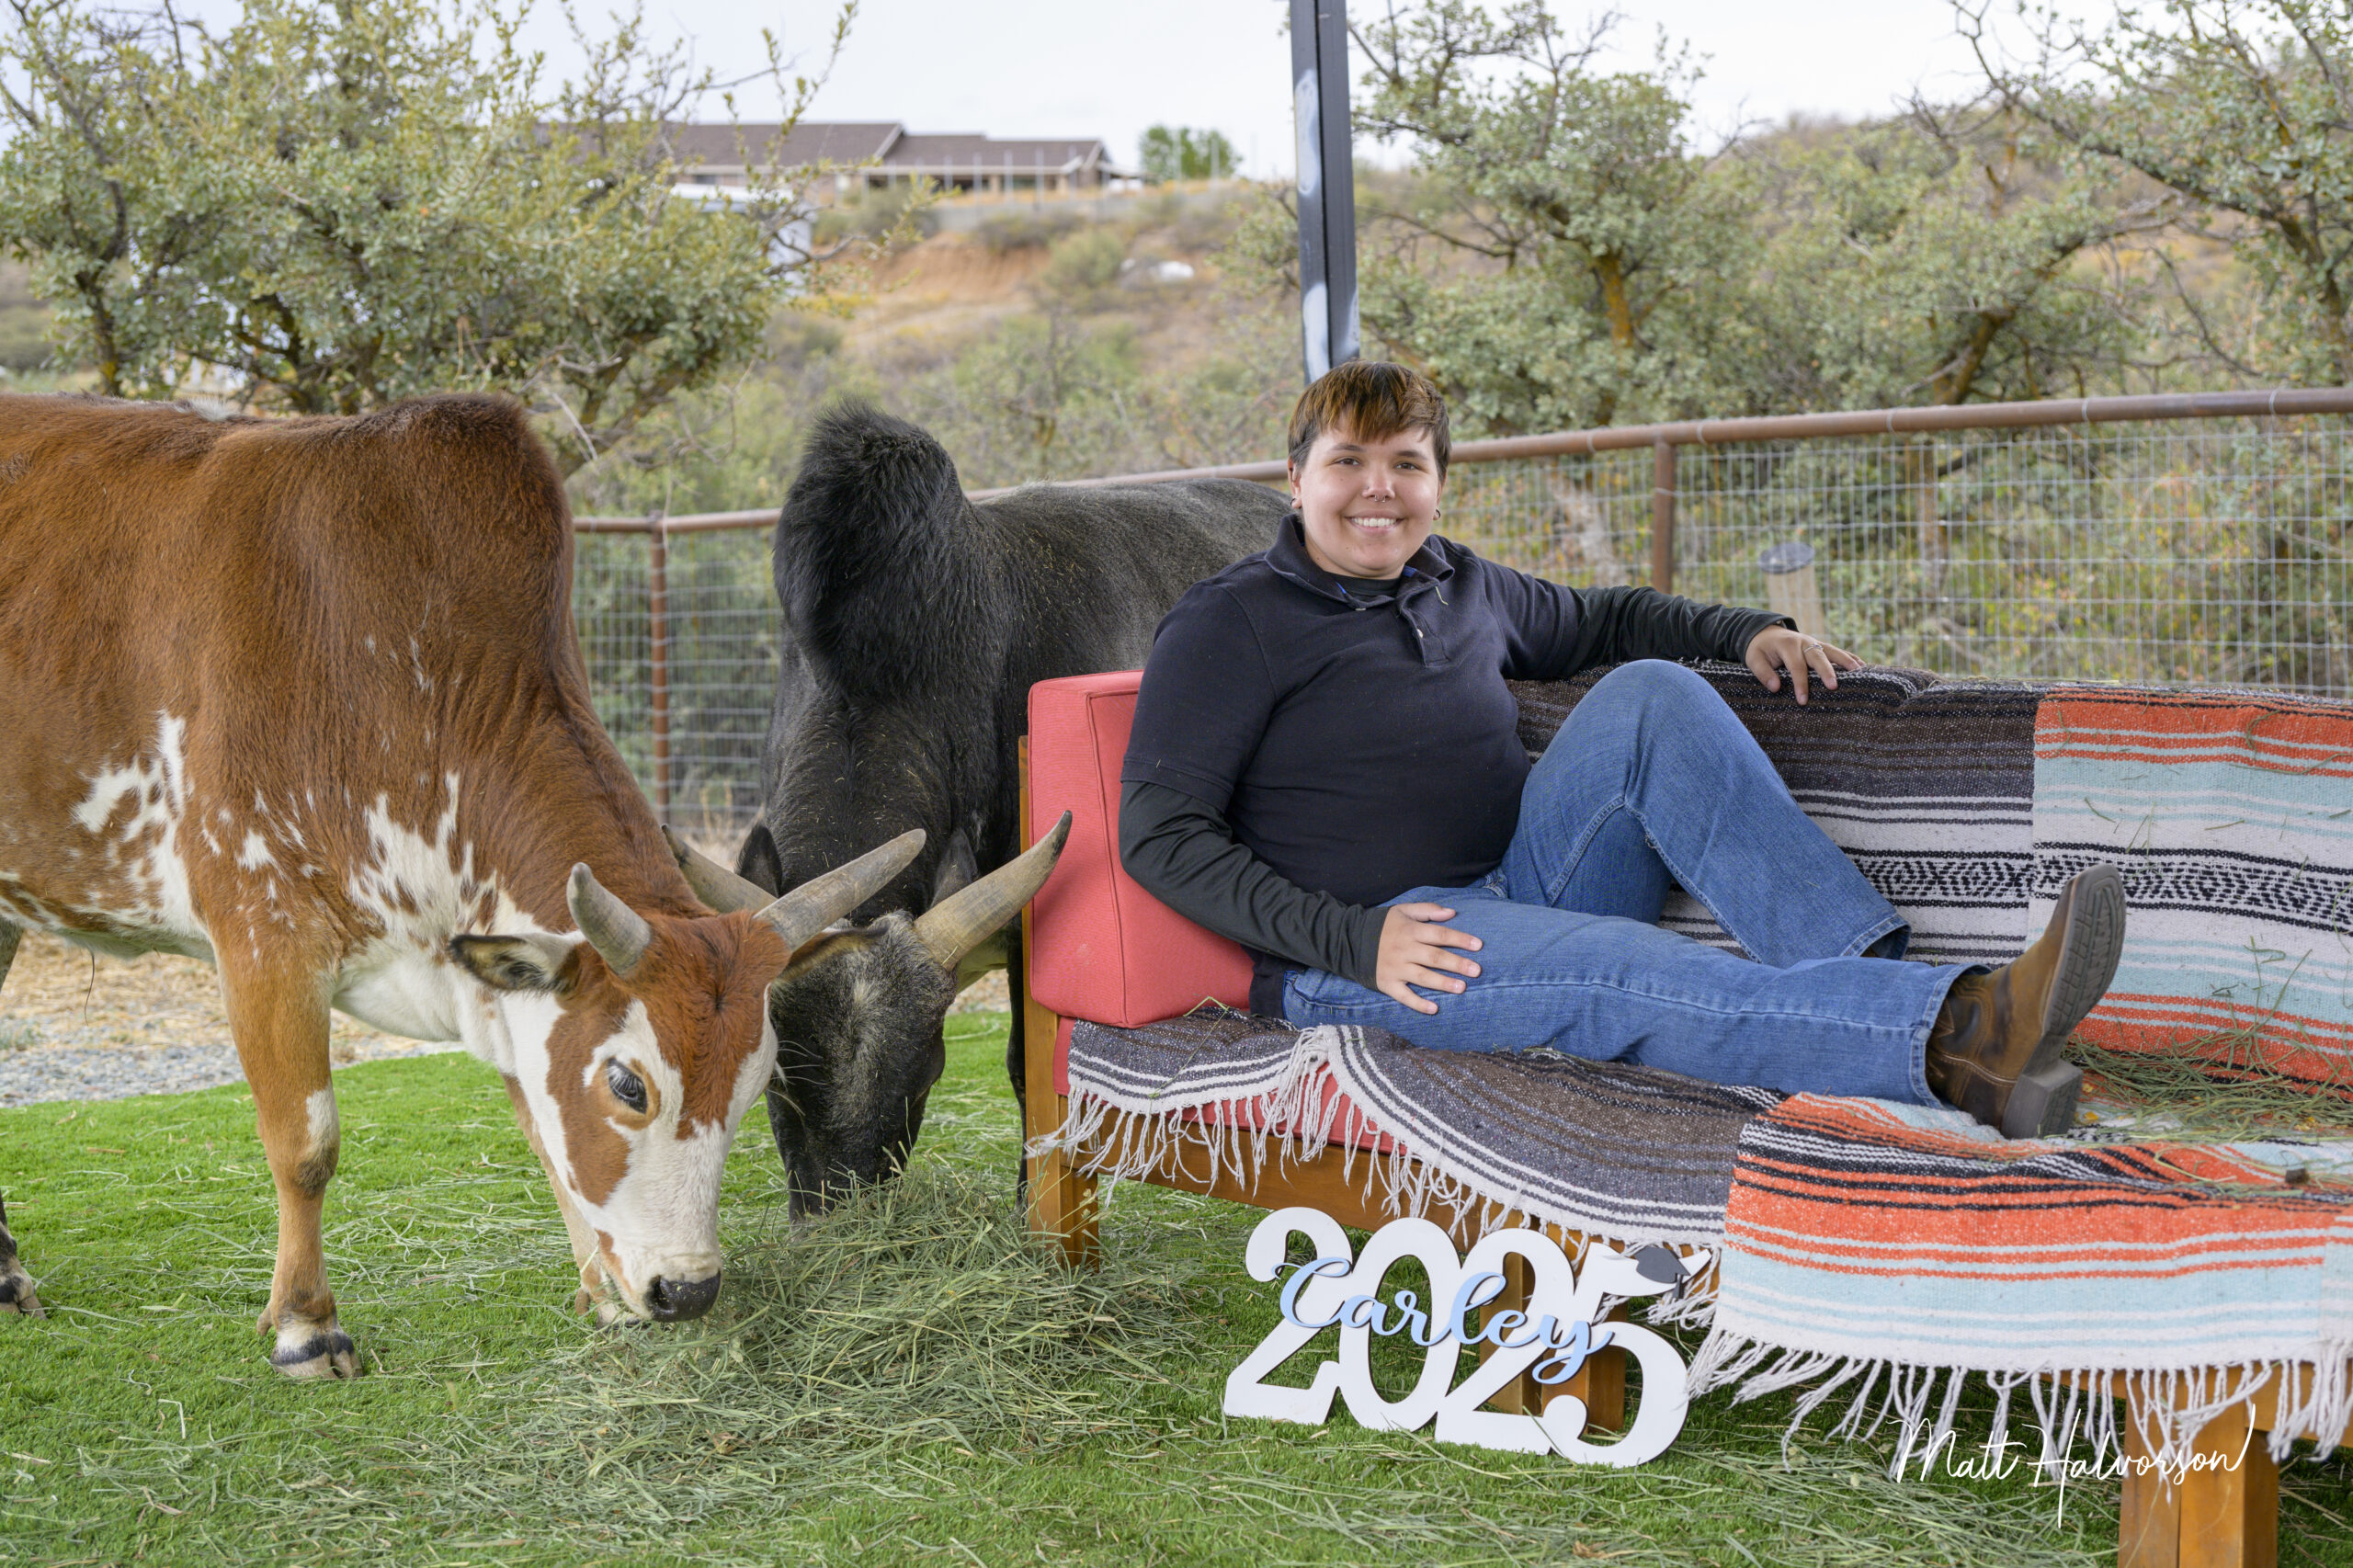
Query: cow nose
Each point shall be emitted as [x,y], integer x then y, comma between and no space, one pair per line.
[673,1301]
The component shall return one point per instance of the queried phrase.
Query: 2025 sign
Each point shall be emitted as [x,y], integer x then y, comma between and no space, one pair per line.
[1338,1287]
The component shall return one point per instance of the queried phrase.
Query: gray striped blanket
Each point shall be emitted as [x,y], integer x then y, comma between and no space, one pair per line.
[1621,1152]
[1928,788]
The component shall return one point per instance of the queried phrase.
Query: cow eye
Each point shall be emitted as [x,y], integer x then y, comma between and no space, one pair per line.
[626,1087]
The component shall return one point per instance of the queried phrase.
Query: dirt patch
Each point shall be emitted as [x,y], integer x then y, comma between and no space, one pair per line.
[990,993]
[59,995]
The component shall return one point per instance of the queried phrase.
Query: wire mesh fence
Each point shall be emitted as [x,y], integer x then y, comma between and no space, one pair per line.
[2175,551]
[691,723]
[2207,552]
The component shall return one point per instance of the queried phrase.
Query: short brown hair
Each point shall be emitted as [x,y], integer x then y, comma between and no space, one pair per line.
[1371,400]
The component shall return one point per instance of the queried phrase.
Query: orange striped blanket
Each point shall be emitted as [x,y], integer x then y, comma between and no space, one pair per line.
[2231,815]
[1890,1252]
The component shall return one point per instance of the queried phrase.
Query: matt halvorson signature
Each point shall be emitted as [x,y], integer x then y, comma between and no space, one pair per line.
[1994,1461]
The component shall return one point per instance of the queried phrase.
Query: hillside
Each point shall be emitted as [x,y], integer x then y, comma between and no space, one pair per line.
[953,287]
[1035,343]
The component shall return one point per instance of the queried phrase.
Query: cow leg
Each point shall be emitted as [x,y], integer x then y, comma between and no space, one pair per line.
[16,1285]
[280,1021]
[594,1290]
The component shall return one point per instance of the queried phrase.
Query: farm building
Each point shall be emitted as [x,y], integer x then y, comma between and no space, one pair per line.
[724,155]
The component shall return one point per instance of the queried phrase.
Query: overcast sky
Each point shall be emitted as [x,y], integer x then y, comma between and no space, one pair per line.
[1109,68]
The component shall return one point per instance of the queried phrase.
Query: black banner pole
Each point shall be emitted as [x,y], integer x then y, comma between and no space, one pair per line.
[1327,197]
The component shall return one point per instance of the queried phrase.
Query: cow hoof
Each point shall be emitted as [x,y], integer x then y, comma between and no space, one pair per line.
[308,1350]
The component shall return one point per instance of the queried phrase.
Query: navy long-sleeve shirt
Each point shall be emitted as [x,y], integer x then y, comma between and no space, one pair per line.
[1302,752]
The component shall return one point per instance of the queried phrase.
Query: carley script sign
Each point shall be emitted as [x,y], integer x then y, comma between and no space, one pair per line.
[1551,1339]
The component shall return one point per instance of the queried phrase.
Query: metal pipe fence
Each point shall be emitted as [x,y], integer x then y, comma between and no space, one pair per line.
[678,626]
[2203,539]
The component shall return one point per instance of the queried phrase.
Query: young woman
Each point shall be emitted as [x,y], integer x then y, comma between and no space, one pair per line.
[1325,767]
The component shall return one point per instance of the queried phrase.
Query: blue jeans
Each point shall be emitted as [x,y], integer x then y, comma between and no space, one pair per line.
[1653,783]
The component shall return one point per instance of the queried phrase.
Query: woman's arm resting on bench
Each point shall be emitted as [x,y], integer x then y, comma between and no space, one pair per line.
[1184,854]
[1180,851]
[1557,630]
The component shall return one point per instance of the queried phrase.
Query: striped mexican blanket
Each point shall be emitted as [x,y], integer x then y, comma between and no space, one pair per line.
[1623,1152]
[2231,816]
[1884,1250]
[1929,787]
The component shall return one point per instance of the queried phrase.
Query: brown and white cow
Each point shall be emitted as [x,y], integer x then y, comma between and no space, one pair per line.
[303,697]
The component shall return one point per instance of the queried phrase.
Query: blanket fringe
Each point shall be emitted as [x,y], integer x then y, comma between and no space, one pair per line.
[2165,1409]
[1300,1116]
[1293,1121]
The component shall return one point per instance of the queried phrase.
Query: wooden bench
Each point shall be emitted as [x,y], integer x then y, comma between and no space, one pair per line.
[2213,1518]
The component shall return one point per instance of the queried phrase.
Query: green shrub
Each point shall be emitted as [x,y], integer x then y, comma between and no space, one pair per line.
[1086,260]
[1025,228]
[872,214]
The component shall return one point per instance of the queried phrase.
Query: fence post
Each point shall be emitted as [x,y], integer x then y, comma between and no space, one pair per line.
[657,614]
[1921,459]
[1663,515]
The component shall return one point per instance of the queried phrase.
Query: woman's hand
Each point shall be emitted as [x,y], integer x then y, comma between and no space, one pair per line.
[1416,950]
[1777,648]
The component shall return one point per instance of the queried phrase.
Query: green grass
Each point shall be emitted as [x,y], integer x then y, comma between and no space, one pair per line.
[907,1382]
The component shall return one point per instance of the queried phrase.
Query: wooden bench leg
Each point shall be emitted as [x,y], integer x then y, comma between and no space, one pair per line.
[1062,1207]
[1600,1382]
[1061,1200]
[1523,1395]
[2148,1525]
[2222,1513]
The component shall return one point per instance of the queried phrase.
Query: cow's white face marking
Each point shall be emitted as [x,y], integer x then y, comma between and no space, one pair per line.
[645,1186]
[649,1195]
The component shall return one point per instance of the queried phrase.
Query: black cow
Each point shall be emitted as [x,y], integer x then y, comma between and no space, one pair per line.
[916,621]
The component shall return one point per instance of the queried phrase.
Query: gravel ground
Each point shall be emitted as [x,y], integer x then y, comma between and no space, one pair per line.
[74,1025]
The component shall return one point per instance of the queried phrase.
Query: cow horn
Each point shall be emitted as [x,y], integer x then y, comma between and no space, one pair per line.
[952,930]
[819,901]
[718,887]
[618,933]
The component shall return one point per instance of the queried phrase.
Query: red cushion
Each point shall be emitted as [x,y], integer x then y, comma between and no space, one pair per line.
[1102,947]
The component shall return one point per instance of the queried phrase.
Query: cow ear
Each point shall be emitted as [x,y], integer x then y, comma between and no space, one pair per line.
[521,963]
[758,862]
[956,871]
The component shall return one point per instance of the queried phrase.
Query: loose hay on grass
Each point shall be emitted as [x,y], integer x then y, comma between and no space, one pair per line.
[919,1313]
[916,1316]
[907,1380]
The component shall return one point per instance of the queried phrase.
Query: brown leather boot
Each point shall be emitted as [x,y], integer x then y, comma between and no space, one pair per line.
[1995,1049]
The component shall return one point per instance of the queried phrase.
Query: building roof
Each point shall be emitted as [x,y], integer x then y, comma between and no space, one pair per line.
[885,142]
[962,152]
[809,141]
